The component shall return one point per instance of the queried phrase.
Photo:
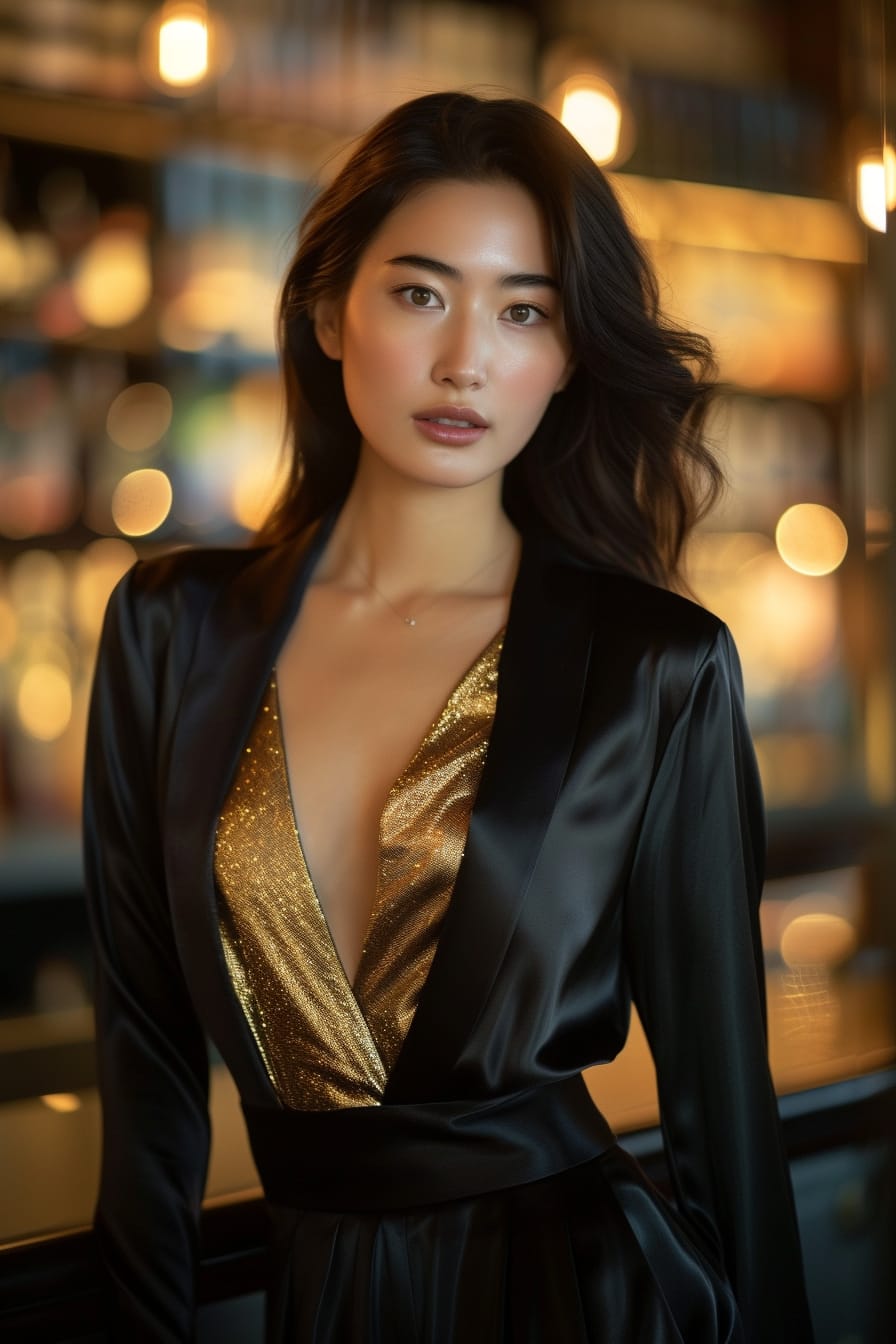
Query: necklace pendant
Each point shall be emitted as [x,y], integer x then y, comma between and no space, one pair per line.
[410,620]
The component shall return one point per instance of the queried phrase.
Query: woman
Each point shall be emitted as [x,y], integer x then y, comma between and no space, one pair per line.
[408,941]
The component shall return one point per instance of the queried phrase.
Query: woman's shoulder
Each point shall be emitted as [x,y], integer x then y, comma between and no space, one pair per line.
[661,641]
[189,577]
[196,572]
[166,596]
[643,614]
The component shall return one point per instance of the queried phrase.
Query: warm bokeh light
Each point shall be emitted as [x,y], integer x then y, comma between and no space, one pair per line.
[46,642]
[27,261]
[12,262]
[257,400]
[44,701]
[818,938]
[37,583]
[715,558]
[255,330]
[833,891]
[777,322]
[38,502]
[112,281]
[811,539]
[704,214]
[177,331]
[592,113]
[139,416]
[141,501]
[40,259]
[785,624]
[224,288]
[64,1103]
[220,300]
[9,627]
[876,187]
[183,46]
[100,566]
[216,297]
[254,492]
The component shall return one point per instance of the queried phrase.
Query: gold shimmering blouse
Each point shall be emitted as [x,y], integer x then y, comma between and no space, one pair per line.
[325,1043]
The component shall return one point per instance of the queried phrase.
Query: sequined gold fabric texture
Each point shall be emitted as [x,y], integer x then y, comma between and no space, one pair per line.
[324,1043]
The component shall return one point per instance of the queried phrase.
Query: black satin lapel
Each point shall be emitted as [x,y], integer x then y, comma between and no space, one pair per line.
[541,680]
[237,646]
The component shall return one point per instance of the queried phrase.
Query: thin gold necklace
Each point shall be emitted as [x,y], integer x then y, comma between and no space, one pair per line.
[412,620]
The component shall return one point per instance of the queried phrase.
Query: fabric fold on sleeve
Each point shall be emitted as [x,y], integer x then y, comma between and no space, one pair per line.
[694,955]
[152,1055]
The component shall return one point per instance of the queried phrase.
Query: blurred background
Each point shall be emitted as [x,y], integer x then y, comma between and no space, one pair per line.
[155,161]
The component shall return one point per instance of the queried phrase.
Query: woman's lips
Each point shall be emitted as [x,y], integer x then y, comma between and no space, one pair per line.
[456,425]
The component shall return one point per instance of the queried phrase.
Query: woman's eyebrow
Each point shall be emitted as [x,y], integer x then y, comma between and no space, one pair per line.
[527,278]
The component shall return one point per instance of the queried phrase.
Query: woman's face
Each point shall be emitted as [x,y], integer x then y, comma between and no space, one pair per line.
[451,335]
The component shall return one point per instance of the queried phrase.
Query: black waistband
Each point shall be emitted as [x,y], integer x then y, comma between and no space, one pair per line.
[391,1157]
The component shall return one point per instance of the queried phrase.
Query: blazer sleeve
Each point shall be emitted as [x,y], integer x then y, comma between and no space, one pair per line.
[152,1056]
[695,960]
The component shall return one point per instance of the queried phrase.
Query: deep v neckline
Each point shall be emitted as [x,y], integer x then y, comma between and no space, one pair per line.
[425,742]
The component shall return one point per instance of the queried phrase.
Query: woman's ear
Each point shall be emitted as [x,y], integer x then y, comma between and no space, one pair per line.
[328,327]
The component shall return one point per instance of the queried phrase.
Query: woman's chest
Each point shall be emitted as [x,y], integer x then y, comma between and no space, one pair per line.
[371,733]
[357,700]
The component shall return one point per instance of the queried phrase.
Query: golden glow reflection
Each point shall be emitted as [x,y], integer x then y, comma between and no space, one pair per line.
[817,938]
[811,539]
[64,1103]
[591,112]
[141,501]
[254,492]
[12,261]
[112,282]
[9,626]
[177,331]
[50,644]
[226,295]
[258,402]
[876,187]
[39,257]
[99,567]
[738,219]
[139,416]
[44,701]
[785,625]
[37,582]
[183,46]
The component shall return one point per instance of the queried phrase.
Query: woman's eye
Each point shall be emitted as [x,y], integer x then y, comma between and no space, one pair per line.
[418,295]
[525,314]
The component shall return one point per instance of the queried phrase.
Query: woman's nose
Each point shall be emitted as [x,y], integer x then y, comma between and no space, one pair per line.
[462,359]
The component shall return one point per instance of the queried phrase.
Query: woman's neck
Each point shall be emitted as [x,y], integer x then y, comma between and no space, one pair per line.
[412,541]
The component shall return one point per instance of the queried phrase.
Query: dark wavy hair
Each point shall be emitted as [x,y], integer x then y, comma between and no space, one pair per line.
[617,468]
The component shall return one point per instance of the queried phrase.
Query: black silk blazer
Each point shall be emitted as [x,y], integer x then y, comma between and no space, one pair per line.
[614,852]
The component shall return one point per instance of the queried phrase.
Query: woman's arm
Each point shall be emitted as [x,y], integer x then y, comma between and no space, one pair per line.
[695,959]
[153,1066]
